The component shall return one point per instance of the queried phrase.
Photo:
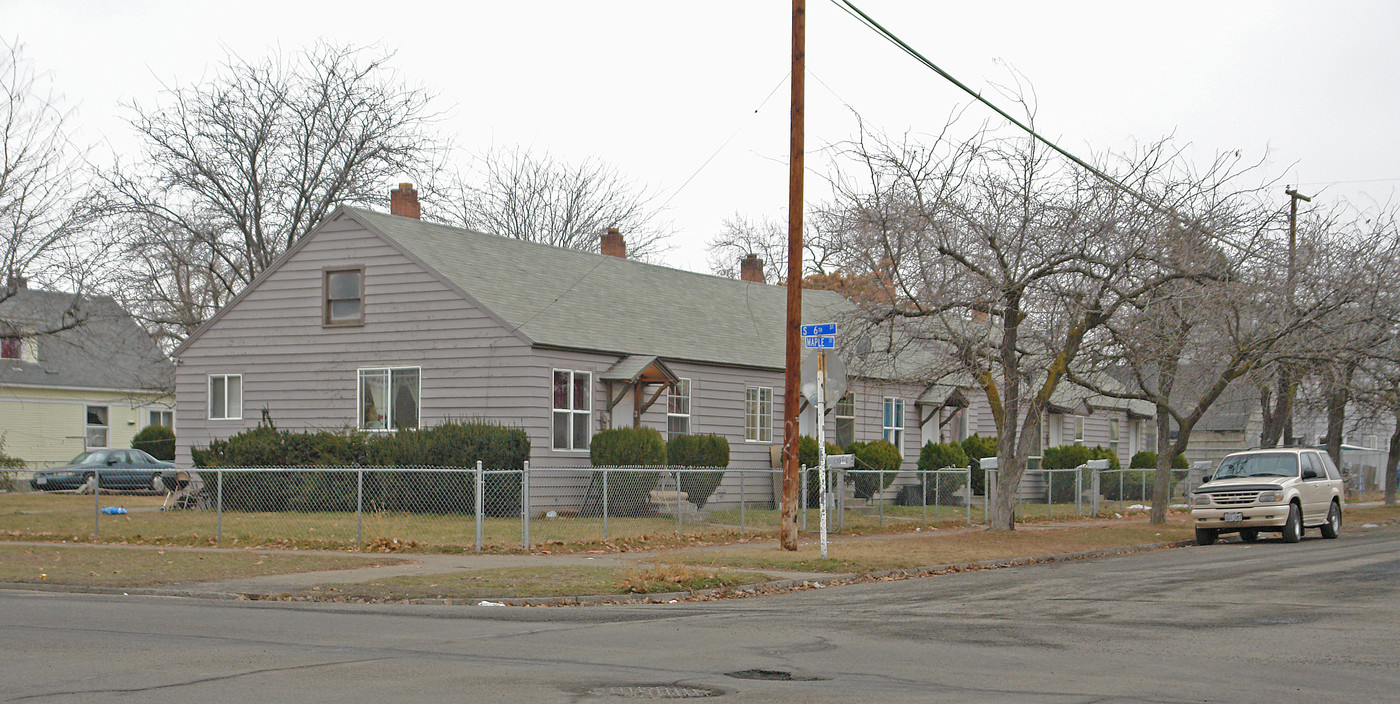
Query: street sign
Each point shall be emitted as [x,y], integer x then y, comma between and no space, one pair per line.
[811,342]
[835,385]
[822,329]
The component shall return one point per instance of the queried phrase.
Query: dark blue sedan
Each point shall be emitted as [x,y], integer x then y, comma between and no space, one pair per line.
[128,470]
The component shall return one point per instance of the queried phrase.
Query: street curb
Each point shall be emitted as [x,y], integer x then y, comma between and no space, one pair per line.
[746,591]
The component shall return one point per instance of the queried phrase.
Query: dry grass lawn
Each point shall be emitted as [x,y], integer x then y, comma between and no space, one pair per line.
[146,567]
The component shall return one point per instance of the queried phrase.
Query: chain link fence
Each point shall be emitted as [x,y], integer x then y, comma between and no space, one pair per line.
[474,508]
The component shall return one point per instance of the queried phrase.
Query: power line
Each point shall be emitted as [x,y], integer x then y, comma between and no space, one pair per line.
[726,142]
[849,8]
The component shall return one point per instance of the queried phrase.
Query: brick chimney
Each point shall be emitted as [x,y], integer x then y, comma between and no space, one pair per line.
[751,269]
[403,201]
[613,244]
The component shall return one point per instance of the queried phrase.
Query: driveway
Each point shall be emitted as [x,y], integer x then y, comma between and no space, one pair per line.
[1232,622]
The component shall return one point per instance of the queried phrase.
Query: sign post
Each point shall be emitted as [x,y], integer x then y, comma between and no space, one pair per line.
[821,338]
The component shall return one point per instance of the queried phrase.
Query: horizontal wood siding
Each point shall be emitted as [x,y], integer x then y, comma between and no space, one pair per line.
[304,374]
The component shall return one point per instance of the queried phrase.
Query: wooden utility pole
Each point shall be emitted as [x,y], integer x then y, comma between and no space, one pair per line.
[1294,196]
[792,376]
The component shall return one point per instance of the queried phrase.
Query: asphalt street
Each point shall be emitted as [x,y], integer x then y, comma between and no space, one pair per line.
[1316,621]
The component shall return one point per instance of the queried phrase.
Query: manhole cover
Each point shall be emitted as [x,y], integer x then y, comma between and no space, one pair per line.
[654,691]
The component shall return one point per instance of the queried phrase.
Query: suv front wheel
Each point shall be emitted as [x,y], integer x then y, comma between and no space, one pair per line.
[1205,536]
[1293,529]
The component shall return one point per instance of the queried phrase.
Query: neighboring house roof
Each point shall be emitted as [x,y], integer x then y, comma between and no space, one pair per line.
[582,300]
[105,350]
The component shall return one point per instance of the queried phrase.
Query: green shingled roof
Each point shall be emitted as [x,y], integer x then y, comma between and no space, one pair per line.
[567,298]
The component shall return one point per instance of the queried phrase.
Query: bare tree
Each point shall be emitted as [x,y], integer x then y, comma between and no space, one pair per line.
[1003,260]
[768,238]
[239,167]
[514,193]
[46,209]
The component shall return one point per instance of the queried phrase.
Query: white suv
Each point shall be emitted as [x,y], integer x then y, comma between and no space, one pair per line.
[1280,489]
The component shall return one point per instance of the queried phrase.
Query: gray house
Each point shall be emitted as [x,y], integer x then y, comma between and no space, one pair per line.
[376,322]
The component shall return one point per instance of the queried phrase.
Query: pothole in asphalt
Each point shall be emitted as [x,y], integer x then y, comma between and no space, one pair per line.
[655,691]
[770,675]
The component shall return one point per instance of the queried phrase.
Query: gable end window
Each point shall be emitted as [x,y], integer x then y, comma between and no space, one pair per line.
[343,296]
[10,347]
[389,398]
[758,414]
[225,397]
[573,409]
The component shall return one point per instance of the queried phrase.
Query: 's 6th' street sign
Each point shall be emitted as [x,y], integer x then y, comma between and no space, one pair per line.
[823,329]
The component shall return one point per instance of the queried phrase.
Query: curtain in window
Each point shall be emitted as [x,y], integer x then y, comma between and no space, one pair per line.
[405,387]
[374,399]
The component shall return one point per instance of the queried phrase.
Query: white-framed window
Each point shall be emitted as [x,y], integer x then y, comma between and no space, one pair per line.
[1113,436]
[95,427]
[161,416]
[846,420]
[894,422]
[389,398]
[678,410]
[758,414]
[1079,430]
[344,292]
[225,396]
[573,409]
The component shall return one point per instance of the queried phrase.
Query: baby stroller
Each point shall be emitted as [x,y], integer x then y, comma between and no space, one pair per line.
[185,491]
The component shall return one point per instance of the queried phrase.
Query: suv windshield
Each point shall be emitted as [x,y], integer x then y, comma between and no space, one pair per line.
[1264,464]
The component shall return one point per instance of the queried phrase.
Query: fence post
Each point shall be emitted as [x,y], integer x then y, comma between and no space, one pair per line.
[480,501]
[742,480]
[680,522]
[359,508]
[1098,490]
[525,506]
[881,500]
[1078,492]
[968,502]
[802,497]
[219,507]
[923,494]
[1049,492]
[605,504]
[96,501]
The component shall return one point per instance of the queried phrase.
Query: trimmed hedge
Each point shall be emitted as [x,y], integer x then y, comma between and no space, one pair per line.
[976,447]
[157,440]
[874,455]
[628,447]
[935,456]
[699,451]
[1070,457]
[1148,460]
[452,444]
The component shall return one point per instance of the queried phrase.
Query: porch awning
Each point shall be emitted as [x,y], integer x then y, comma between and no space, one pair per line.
[648,369]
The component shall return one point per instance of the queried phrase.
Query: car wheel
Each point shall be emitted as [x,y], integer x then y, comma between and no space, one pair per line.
[1333,527]
[1249,535]
[1293,529]
[1205,536]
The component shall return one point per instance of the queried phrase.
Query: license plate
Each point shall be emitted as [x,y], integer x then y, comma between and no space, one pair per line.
[1233,516]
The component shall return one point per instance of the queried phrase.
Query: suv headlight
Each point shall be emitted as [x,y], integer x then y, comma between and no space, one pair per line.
[1271,497]
[1200,499]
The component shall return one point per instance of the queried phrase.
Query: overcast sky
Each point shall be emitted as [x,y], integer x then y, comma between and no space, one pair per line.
[656,88]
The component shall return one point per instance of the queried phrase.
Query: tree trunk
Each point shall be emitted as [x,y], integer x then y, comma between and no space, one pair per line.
[1280,417]
[1392,461]
[1009,472]
[1161,483]
[1337,398]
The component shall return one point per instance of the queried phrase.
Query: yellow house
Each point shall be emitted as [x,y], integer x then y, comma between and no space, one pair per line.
[76,373]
